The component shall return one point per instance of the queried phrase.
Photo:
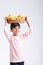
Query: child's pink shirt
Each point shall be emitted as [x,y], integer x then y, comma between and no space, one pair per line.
[16,45]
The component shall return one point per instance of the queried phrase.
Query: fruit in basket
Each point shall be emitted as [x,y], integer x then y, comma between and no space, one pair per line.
[21,18]
[15,19]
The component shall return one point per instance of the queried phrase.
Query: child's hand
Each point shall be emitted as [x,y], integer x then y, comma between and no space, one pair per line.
[25,18]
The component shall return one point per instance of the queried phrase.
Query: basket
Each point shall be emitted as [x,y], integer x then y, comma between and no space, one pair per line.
[15,19]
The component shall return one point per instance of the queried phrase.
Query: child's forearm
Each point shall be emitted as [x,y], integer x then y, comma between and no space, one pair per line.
[5,25]
[5,22]
[27,21]
[29,24]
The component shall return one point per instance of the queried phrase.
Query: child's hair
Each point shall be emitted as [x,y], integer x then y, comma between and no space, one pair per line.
[13,25]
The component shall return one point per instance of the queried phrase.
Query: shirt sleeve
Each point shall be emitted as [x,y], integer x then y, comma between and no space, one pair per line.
[7,34]
[26,34]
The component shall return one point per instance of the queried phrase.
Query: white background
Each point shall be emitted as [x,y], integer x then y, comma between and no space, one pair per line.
[33,45]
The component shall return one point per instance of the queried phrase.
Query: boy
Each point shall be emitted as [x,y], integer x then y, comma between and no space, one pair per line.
[15,40]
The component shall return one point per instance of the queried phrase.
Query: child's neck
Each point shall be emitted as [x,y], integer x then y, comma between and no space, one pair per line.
[15,35]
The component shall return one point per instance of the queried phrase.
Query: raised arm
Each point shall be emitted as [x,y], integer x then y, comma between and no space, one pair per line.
[29,24]
[26,34]
[6,32]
